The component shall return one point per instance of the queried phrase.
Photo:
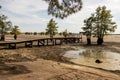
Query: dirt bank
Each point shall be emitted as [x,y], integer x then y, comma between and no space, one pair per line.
[35,64]
[47,63]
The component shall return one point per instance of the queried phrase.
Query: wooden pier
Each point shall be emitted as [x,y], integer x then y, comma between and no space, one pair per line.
[42,42]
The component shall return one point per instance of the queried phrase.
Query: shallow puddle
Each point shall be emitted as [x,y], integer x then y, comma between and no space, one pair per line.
[109,60]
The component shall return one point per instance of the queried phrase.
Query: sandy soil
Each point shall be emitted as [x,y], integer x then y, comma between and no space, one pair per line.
[47,63]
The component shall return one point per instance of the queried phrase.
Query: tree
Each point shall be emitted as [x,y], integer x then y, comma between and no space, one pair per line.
[51,28]
[65,33]
[27,33]
[5,26]
[42,33]
[35,33]
[63,8]
[15,31]
[88,28]
[104,23]
[101,24]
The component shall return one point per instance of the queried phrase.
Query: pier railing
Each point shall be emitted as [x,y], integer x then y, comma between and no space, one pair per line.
[42,42]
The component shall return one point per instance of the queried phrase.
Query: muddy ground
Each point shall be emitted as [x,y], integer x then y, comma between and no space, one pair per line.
[47,63]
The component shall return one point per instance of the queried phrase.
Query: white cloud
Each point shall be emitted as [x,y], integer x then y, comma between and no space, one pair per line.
[29,12]
[25,7]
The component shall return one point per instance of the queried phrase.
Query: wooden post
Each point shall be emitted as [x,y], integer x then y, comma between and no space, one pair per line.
[38,42]
[61,41]
[9,46]
[55,41]
[43,42]
[47,41]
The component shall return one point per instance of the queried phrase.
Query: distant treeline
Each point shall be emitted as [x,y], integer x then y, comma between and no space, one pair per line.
[113,34]
[44,33]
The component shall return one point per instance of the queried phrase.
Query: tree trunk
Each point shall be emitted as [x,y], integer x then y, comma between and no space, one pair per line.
[88,41]
[99,41]
[2,37]
[51,35]
[15,36]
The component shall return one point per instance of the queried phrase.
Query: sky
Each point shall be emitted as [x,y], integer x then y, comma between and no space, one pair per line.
[32,16]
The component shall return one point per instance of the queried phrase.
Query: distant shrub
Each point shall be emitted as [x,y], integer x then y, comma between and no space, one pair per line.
[27,33]
[42,33]
[60,33]
[35,33]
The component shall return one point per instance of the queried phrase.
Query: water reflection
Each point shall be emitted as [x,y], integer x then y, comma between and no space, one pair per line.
[110,60]
[93,54]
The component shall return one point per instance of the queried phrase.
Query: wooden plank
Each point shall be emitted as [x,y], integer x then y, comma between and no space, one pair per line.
[43,42]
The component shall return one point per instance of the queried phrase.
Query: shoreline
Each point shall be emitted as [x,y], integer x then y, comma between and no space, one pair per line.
[54,53]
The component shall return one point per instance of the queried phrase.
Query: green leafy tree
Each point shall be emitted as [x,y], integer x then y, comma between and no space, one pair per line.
[88,28]
[63,8]
[60,33]
[65,33]
[42,33]
[15,31]
[35,33]
[101,24]
[27,33]
[5,26]
[51,28]
[104,24]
